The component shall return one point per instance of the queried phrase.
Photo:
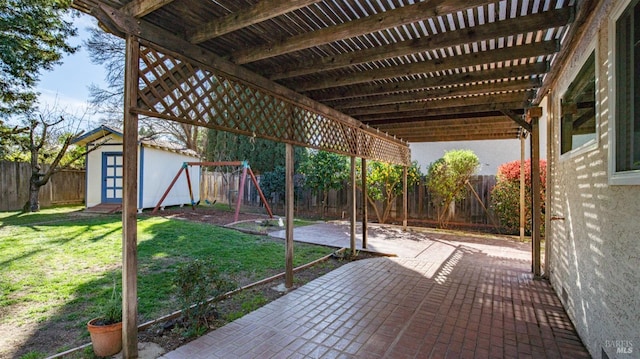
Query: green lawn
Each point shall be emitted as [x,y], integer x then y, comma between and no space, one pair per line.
[58,266]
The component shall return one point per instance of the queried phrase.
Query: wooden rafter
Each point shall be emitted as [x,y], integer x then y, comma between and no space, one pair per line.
[483,88]
[261,11]
[140,8]
[449,112]
[494,99]
[443,129]
[429,82]
[447,63]
[378,62]
[463,136]
[399,126]
[378,22]
[495,30]
[517,119]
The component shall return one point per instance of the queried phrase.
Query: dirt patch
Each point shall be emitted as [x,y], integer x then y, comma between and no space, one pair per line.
[207,215]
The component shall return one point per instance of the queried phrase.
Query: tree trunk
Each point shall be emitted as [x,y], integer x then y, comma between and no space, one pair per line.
[34,191]
[375,208]
[387,208]
[325,204]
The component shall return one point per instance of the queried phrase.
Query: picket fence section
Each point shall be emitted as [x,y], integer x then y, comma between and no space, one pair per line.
[68,187]
[223,187]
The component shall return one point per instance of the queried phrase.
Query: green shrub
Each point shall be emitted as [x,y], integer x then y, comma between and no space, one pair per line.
[196,282]
[447,179]
[505,196]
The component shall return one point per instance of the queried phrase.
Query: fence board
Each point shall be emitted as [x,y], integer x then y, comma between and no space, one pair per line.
[65,187]
[223,187]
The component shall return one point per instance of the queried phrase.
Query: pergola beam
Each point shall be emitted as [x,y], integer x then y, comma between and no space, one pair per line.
[517,119]
[426,67]
[456,129]
[261,11]
[447,103]
[494,30]
[416,126]
[450,112]
[378,22]
[483,88]
[430,82]
[140,8]
[465,137]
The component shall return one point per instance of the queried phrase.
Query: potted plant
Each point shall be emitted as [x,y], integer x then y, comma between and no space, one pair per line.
[106,330]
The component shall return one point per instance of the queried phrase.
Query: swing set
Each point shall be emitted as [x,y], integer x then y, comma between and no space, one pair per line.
[245,169]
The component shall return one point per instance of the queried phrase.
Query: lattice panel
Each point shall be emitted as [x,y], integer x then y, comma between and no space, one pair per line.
[176,89]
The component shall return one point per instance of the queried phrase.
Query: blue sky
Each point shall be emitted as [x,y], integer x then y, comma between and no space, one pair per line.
[67,84]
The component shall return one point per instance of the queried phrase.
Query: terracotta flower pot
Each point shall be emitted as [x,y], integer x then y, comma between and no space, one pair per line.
[106,339]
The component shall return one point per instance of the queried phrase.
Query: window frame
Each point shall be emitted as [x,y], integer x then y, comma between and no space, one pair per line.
[595,142]
[630,177]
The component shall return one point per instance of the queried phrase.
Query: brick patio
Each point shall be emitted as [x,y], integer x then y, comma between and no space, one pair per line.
[456,298]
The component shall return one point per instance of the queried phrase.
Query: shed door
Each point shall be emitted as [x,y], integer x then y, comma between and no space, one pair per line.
[112,177]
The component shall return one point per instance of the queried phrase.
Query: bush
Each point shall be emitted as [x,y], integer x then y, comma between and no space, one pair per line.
[505,196]
[447,179]
[196,282]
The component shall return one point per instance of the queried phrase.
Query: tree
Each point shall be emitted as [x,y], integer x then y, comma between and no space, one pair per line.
[263,155]
[46,141]
[324,171]
[33,37]
[505,195]
[6,134]
[109,51]
[385,184]
[447,180]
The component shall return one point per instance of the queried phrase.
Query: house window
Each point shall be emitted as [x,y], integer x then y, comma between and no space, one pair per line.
[626,71]
[578,106]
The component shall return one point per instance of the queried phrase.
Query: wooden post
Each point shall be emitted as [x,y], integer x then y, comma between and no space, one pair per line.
[536,214]
[164,195]
[352,210]
[264,200]
[548,192]
[523,218]
[129,203]
[365,204]
[186,172]
[289,204]
[405,200]
[240,191]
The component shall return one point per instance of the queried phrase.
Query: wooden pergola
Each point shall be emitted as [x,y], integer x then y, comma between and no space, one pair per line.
[361,78]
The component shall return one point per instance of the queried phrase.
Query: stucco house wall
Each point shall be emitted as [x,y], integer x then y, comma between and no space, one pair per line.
[593,236]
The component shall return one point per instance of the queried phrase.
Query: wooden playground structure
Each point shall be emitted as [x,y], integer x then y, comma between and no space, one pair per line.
[246,169]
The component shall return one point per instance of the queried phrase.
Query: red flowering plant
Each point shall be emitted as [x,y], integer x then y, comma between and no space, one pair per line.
[505,196]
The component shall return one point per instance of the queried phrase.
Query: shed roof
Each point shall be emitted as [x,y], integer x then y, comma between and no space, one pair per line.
[105,130]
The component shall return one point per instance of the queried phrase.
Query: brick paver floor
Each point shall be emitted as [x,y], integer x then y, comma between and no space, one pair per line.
[453,299]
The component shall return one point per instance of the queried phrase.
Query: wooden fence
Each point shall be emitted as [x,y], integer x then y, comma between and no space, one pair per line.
[474,209]
[64,187]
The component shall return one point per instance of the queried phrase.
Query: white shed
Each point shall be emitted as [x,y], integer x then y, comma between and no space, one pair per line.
[158,164]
